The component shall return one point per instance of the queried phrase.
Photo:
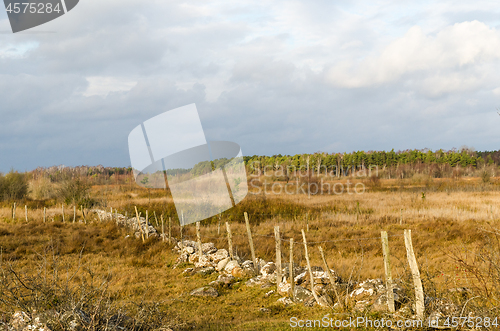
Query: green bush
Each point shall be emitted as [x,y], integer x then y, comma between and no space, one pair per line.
[13,186]
[485,176]
[76,192]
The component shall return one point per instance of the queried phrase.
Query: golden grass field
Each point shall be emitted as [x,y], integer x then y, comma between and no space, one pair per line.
[453,223]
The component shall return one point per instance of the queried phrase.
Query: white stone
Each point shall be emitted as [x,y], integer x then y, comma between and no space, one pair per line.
[222,264]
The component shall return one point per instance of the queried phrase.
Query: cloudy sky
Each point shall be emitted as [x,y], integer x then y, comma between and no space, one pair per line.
[285,77]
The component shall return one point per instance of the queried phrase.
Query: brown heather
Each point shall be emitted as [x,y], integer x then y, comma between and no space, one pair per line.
[53,265]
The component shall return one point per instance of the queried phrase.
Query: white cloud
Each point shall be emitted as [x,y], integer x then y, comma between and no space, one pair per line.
[102,86]
[439,62]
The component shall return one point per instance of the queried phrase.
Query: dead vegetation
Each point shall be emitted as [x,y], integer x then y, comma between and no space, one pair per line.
[93,275]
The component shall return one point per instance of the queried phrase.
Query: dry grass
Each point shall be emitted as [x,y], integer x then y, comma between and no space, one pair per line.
[448,226]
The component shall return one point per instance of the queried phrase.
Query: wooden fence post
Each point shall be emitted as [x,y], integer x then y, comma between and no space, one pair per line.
[292,279]
[44,213]
[147,225]
[218,227]
[277,239]
[388,274]
[156,218]
[26,212]
[198,238]
[162,229]
[74,213]
[170,229]
[250,241]
[63,211]
[99,216]
[309,268]
[139,223]
[182,240]
[419,292]
[83,214]
[330,276]
[14,212]
[229,241]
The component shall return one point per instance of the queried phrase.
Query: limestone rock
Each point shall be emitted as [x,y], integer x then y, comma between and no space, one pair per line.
[19,320]
[268,269]
[285,289]
[208,248]
[230,266]
[239,272]
[372,294]
[302,294]
[219,255]
[203,262]
[187,271]
[205,271]
[222,264]
[193,258]
[286,301]
[268,294]
[223,280]
[206,291]
[325,301]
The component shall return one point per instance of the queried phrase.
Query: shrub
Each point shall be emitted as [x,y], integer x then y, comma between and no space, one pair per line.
[13,186]
[42,189]
[485,176]
[76,192]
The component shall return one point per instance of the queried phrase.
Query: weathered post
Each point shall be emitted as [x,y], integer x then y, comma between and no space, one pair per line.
[170,229]
[229,241]
[250,241]
[163,229]
[147,225]
[139,223]
[14,212]
[419,292]
[198,238]
[44,214]
[277,239]
[309,268]
[292,280]
[26,212]
[62,211]
[330,276]
[388,274]
[218,226]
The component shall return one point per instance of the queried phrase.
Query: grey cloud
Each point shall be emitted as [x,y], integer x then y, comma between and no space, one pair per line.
[274,93]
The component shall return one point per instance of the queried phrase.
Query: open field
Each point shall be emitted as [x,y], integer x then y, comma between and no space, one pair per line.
[454,224]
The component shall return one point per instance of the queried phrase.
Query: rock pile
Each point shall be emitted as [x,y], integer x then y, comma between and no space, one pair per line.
[131,223]
[231,271]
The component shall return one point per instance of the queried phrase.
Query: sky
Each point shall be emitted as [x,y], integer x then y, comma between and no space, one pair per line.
[276,77]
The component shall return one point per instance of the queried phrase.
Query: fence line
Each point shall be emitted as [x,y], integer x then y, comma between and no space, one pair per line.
[412,261]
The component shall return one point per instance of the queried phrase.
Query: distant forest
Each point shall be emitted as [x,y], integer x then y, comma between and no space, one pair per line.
[392,164]
[321,161]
